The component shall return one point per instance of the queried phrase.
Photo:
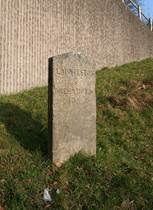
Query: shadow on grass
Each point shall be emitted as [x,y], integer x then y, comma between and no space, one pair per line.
[28,132]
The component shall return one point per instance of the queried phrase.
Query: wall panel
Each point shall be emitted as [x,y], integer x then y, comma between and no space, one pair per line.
[31,31]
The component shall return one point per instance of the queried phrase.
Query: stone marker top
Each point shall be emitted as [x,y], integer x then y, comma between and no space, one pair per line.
[72,104]
[82,58]
[74,62]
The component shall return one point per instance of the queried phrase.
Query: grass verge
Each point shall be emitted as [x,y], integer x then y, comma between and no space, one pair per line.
[120,177]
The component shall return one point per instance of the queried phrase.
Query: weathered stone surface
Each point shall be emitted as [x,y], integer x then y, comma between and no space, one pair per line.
[72,106]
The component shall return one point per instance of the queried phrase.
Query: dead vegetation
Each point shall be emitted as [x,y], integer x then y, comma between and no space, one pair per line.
[140,97]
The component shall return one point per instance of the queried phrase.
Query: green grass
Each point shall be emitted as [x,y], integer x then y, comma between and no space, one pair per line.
[120,177]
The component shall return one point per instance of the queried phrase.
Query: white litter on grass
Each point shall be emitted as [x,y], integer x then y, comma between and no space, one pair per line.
[58,191]
[46,196]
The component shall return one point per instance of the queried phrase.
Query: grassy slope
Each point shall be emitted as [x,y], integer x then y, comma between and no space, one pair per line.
[120,177]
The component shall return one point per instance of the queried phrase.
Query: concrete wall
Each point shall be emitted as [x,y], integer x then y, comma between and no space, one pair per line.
[33,30]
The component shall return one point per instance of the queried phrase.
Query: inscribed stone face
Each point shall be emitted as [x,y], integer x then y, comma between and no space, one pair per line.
[72,106]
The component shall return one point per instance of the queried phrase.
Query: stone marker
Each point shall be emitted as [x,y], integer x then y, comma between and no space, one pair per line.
[72,106]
